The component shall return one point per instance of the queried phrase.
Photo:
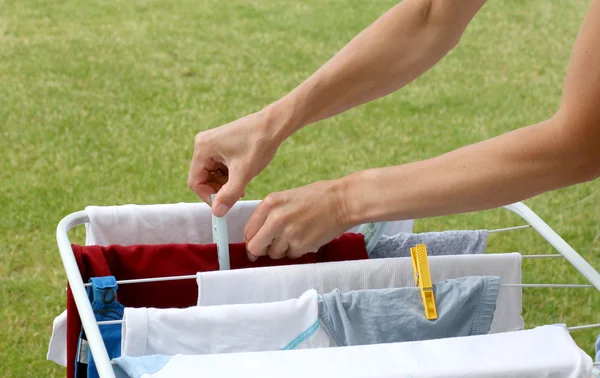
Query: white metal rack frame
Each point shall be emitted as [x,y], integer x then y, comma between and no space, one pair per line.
[92,331]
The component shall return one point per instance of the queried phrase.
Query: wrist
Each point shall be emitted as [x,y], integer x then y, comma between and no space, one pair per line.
[352,197]
[281,119]
[367,196]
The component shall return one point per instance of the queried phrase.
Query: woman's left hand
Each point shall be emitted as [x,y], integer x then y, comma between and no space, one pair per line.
[297,221]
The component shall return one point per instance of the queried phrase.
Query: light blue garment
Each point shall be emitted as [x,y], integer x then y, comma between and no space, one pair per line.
[135,367]
[372,232]
[438,243]
[595,370]
[597,358]
[465,306]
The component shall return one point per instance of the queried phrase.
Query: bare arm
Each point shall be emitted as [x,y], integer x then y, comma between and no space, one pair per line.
[559,152]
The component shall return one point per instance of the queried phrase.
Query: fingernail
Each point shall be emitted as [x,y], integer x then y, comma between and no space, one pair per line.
[221,210]
[251,257]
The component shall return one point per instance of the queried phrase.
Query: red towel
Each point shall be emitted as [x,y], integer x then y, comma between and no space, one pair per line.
[148,261]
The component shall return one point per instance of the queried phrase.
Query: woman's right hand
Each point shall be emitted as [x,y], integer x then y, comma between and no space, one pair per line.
[228,157]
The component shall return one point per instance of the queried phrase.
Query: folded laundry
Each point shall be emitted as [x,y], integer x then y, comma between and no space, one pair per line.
[438,243]
[290,324]
[465,307]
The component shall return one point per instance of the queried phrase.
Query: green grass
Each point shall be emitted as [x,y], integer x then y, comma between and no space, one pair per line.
[100,101]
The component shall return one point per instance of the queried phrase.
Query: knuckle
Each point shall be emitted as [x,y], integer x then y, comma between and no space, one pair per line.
[202,140]
[274,199]
[288,232]
[269,200]
[278,219]
[191,183]
[198,139]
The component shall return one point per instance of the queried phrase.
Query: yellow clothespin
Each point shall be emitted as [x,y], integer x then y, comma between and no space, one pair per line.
[423,279]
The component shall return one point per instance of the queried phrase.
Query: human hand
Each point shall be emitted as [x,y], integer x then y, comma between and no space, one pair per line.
[228,157]
[297,221]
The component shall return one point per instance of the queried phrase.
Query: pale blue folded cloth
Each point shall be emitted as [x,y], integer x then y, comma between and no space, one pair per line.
[438,243]
[595,370]
[465,307]
[136,367]
[597,359]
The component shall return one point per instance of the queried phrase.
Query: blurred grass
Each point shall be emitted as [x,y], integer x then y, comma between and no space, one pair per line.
[100,101]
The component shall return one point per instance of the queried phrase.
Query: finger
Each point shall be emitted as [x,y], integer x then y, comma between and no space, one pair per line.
[205,191]
[200,174]
[251,257]
[215,182]
[294,253]
[200,179]
[230,192]
[257,246]
[256,220]
[196,180]
[211,187]
[278,248]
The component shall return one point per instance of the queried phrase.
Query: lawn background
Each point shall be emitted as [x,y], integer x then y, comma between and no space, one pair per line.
[100,101]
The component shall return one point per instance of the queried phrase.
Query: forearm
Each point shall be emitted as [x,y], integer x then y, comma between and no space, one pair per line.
[562,151]
[496,172]
[397,48]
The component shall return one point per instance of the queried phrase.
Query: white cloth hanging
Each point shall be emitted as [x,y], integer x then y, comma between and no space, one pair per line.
[291,324]
[543,352]
[57,349]
[162,224]
[257,285]
[177,223]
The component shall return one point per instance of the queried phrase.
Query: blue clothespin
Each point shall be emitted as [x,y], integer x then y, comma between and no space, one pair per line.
[220,238]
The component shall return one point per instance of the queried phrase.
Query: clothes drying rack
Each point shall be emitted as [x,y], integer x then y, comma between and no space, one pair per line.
[91,326]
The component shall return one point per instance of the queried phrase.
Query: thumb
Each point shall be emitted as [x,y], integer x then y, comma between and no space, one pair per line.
[229,193]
